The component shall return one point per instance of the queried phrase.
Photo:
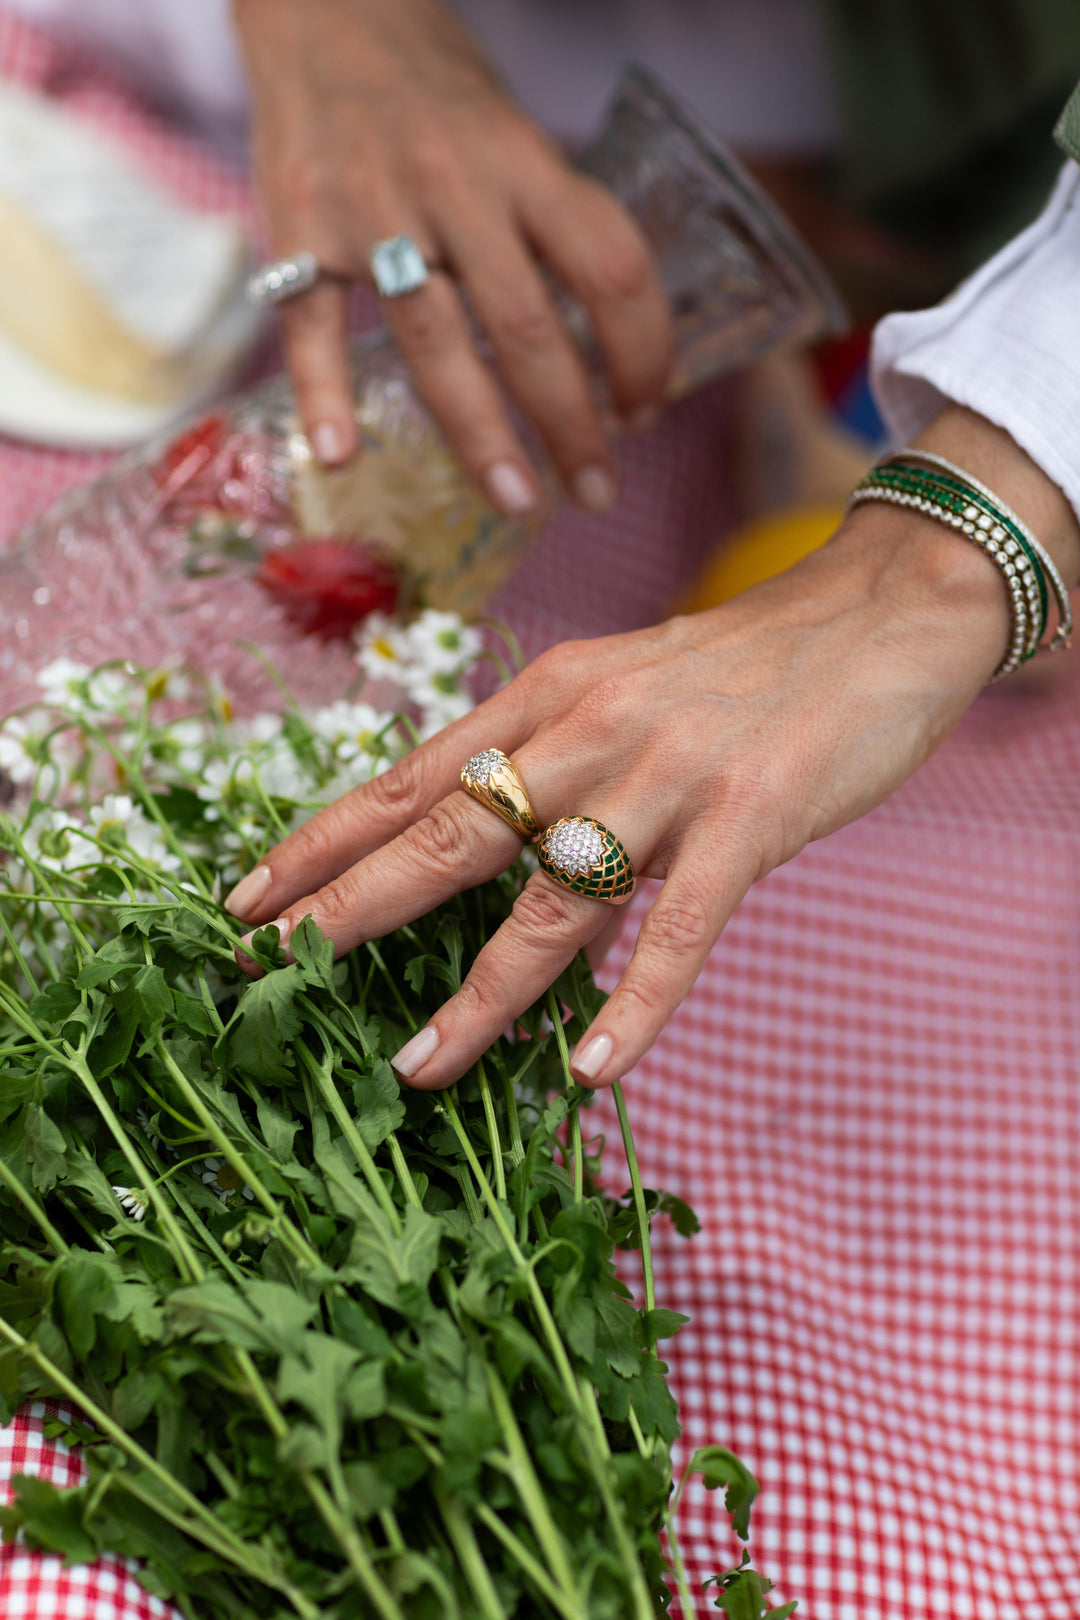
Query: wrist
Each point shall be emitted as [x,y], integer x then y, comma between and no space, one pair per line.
[911,571]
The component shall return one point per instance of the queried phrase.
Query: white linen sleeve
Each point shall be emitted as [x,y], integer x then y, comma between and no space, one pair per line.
[1006,343]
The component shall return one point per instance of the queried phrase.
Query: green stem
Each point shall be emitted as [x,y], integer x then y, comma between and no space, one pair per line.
[401,1168]
[533,1568]
[555,1014]
[469,1555]
[26,1198]
[582,1397]
[297,1241]
[331,1096]
[523,1474]
[493,1131]
[639,1196]
[161,1206]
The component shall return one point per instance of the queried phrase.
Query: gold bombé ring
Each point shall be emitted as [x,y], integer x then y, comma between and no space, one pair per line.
[491,778]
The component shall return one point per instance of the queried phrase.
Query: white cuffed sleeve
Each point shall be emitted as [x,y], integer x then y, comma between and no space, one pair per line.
[1006,343]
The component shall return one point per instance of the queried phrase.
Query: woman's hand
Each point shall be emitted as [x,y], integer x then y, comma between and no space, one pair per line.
[375,118]
[715,747]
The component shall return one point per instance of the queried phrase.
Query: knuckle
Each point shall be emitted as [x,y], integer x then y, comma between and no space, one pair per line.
[542,909]
[444,839]
[623,273]
[524,326]
[396,792]
[336,899]
[676,928]
[317,843]
[476,998]
[638,999]
[424,326]
[300,184]
[431,161]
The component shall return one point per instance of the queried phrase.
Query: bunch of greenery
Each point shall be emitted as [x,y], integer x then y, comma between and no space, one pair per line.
[330,1347]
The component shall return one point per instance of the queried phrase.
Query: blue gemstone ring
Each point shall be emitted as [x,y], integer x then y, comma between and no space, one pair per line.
[398,267]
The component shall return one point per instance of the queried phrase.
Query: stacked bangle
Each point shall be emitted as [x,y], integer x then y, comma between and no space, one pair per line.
[930,484]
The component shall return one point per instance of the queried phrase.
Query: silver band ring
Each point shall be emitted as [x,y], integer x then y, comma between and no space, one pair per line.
[397,266]
[283,278]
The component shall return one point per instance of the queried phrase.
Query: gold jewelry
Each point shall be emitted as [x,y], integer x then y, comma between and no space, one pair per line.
[491,778]
[585,856]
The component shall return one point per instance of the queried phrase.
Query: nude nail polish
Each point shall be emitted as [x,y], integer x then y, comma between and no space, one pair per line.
[415,1053]
[509,488]
[593,488]
[328,443]
[590,1058]
[248,892]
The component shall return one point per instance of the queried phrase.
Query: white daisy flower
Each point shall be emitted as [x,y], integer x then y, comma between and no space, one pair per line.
[223,1180]
[118,823]
[63,683]
[52,840]
[22,751]
[132,1201]
[354,730]
[441,643]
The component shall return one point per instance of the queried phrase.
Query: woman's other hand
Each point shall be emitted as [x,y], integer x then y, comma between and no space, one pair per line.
[376,118]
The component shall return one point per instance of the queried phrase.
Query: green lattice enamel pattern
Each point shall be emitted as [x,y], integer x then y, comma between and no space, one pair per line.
[585,856]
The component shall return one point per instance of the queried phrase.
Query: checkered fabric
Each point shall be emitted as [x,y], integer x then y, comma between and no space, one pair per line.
[869,1098]
[35,1586]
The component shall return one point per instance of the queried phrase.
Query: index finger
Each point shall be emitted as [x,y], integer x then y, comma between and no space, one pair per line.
[372,814]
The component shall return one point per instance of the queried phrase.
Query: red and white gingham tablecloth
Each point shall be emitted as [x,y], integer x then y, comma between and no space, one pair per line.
[870,1099]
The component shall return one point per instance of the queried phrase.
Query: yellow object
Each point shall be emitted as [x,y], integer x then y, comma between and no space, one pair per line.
[758,551]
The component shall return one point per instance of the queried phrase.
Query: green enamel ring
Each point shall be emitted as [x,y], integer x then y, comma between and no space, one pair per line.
[585,856]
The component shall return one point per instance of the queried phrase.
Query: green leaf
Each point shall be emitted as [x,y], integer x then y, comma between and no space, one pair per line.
[45,1148]
[316,1379]
[395,1268]
[660,1324]
[265,1024]
[314,954]
[720,1467]
[279,1131]
[50,1518]
[378,1104]
[742,1594]
[653,1401]
[55,1003]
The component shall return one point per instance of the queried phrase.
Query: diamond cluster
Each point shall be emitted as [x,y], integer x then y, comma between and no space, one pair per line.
[574,846]
[482,767]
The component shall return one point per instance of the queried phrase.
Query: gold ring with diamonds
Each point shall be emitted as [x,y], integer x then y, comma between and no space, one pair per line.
[491,778]
[585,856]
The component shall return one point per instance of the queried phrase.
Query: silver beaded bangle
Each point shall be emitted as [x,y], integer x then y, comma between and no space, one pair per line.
[1062,636]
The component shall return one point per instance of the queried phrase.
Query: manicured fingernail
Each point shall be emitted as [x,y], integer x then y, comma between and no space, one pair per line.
[589,1059]
[283,926]
[328,443]
[593,488]
[248,892]
[509,488]
[641,420]
[415,1053]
